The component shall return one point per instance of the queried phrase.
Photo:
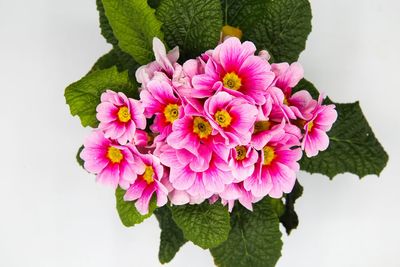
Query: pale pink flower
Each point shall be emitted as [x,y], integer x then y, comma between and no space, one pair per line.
[234,68]
[164,63]
[201,179]
[119,116]
[241,162]
[275,171]
[147,183]
[112,163]
[315,138]
[236,192]
[233,117]
[159,100]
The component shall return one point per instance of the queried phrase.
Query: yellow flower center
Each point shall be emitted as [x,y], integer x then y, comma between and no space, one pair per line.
[223,118]
[269,155]
[148,174]
[285,101]
[310,126]
[123,114]
[240,152]
[114,154]
[171,112]
[231,31]
[201,127]
[261,126]
[232,81]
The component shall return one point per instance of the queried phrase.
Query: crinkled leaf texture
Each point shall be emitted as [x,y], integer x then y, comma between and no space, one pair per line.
[353,146]
[127,211]
[171,237]
[279,26]
[134,25]
[193,25]
[205,225]
[83,96]
[255,238]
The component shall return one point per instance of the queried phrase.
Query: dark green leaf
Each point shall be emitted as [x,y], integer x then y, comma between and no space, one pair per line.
[83,96]
[255,239]
[171,238]
[353,147]
[116,57]
[78,157]
[308,86]
[279,26]
[193,25]
[289,218]
[134,25]
[127,211]
[204,224]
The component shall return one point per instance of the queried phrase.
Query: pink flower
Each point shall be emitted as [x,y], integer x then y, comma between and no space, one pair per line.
[315,137]
[164,63]
[194,130]
[159,100]
[148,182]
[287,76]
[114,164]
[119,116]
[236,191]
[275,171]
[201,179]
[234,68]
[241,162]
[233,117]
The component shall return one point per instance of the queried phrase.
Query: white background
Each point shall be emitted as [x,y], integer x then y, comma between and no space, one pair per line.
[52,213]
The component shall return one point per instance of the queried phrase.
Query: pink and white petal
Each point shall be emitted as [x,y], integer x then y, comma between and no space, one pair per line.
[182,178]
[142,204]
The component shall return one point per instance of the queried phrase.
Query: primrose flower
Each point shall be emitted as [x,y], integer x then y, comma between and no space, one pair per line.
[146,184]
[233,117]
[119,116]
[114,164]
[236,191]
[275,171]
[159,100]
[164,63]
[315,137]
[241,162]
[234,67]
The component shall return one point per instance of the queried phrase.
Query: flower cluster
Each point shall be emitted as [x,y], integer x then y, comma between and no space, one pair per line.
[224,126]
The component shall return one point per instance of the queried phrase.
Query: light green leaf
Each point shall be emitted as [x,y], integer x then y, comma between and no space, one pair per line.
[289,218]
[127,211]
[204,224]
[134,25]
[279,26]
[171,238]
[255,239]
[193,25]
[83,96]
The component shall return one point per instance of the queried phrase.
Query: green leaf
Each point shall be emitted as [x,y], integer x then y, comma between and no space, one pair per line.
[171,238]
[255,239]
[116,57]
[193,25]
[127,211]
[289,218]
[105,26]
[279,26]
[204,224]
[134,25]
[353,147]
[83,96]
[80,161]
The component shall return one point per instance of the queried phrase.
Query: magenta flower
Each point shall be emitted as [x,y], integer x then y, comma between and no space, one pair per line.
[275,171]
[114,164]
[287,76]
[148,182]
[232,117]
[119,116]
[234,68]
[315,138]
[159,100]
